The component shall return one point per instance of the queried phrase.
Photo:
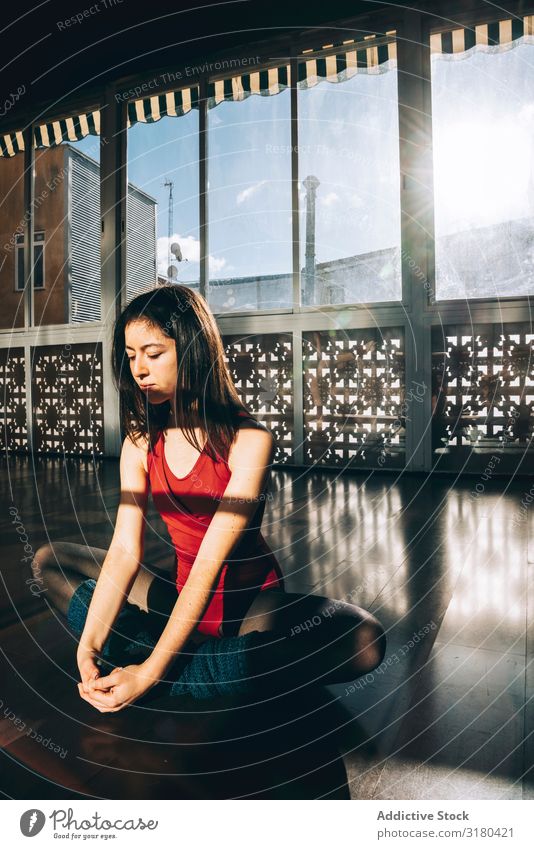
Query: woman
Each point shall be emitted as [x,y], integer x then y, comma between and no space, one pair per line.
[227,625]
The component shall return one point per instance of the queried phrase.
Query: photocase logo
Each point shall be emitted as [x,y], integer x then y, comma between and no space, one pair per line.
[31,822]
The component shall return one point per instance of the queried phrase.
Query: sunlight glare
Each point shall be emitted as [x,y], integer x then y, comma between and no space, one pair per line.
[481,174]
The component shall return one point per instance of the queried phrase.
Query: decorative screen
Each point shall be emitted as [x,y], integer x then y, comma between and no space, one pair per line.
[355,404]
[67,399]
[261,366]
[483,387]
[13,433]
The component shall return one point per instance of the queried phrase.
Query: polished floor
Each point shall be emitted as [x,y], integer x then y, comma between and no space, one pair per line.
[447,565]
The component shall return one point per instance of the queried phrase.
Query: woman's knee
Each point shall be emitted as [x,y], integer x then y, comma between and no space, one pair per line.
[43,558]
[68,556]
[370,644]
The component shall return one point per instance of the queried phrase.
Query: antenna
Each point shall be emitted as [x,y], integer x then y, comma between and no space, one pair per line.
[170,184]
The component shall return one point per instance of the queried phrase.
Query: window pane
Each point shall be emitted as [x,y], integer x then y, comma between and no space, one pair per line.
[249,179]
[483,125]
[38,279]
[20,267]
[11,225]
[163,232]
[349,192]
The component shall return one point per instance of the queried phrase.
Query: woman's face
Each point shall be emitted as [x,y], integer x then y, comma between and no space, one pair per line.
[152,357]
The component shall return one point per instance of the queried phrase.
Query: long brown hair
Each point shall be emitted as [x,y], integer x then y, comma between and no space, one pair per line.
[205,393]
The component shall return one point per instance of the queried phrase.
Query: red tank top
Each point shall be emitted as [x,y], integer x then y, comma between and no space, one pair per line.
[187,506]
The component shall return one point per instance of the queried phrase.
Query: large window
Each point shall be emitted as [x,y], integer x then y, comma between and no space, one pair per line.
[249,179]
[349,187]
[348,180]
[483,141]
[162,213]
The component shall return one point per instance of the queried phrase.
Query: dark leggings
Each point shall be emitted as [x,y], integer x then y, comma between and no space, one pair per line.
[284,640]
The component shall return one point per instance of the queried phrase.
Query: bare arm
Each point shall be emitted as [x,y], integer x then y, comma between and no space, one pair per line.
[125,553]
[250,472]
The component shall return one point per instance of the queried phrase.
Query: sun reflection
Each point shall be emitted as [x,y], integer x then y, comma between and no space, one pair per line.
[484,549]
[481,173]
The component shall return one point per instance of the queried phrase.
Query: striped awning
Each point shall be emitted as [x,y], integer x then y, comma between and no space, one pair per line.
[372,54]
[172,103]
[56,132]
[494,35]
[67,129]
[11,144]
[265,82]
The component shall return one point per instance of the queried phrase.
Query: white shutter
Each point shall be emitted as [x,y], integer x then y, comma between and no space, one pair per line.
[85,238]
[141,253]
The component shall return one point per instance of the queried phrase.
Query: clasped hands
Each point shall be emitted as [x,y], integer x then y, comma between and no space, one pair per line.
[111,693]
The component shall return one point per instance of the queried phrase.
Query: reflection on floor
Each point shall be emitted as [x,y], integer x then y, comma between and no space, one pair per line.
[447,566]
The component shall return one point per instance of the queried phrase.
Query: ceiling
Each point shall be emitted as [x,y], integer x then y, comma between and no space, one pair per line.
[48,61]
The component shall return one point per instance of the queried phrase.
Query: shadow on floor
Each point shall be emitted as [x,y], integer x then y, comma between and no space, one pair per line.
[58,746]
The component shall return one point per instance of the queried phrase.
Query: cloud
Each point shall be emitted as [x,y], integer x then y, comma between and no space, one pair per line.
[526,113]
[355,201]
[190,248]
[329,199]
[247,193]
[216,264]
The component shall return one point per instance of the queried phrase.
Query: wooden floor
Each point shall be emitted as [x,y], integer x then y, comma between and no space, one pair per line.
[450,715]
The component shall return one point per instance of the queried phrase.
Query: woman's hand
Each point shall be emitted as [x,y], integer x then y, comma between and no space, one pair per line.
[88,668]
[120,688]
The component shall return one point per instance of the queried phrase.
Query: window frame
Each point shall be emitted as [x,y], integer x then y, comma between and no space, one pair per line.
[19,247]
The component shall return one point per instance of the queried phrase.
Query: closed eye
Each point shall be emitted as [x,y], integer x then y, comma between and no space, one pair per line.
[150,357]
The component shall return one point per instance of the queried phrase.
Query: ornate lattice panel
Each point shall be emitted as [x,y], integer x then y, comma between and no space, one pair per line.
[483,389]
[14,430]
[355,405]
[67,399]
[261,366]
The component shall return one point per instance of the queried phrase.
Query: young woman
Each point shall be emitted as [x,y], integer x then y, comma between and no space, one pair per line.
[223,623]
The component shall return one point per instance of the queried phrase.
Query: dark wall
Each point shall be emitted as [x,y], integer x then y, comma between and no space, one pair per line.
[51,59]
